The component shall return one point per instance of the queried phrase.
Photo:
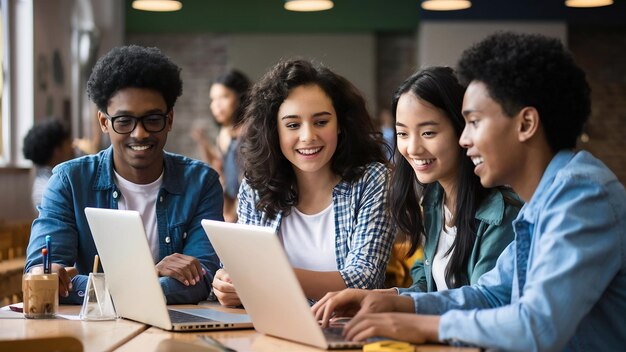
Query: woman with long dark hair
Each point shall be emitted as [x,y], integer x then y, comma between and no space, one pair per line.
[228,93]
[435,197]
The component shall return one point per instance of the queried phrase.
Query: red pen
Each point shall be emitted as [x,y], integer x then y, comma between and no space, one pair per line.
[46,265]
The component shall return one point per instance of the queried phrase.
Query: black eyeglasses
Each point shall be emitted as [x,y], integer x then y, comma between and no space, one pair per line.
[124,124]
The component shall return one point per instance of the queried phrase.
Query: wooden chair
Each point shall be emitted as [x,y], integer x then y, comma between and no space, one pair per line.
[399,267]
[13,242]
[44,344]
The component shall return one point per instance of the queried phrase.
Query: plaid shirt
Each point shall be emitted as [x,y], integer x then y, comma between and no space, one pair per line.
[363,232]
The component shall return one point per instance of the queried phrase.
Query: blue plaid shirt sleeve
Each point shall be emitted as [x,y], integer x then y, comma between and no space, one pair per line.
[363,231]
[365,234]
[247,212]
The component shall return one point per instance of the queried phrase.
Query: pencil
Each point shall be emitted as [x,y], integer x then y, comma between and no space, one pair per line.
[95,263]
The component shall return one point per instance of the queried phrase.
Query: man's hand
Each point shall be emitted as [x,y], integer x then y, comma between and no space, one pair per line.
[65,276]
[183,268]
[408,327]
[388,291]
[351,302]
[224,289]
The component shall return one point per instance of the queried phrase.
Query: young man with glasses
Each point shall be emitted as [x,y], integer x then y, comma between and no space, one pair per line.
[135,89]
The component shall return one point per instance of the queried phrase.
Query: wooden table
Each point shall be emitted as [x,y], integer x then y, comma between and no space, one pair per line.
[129,336]
[245,340]
[155,339]
[94,335]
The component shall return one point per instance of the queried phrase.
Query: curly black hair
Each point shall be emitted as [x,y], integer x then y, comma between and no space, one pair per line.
[42,139]
[134,66]
[239,83]
[265,167]
[522,70]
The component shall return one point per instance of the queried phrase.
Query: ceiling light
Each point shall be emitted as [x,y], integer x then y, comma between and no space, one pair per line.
[157,5]
[446,5]
[588,3]
[308,5]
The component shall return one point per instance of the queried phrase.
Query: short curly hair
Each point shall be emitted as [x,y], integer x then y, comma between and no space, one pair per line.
[522,70]
[265,167]
[134,66]
[41,140]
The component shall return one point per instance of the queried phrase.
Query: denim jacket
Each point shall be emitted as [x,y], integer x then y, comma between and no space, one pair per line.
[494,232]
[561,285]
[363,231]
[190,192]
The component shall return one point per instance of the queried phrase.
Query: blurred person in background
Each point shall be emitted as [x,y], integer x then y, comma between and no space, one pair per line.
[46,144]
[228,93]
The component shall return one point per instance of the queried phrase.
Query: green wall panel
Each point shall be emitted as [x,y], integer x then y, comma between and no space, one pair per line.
[270,16]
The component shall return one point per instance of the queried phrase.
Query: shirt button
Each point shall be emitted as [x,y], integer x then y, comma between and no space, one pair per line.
[426,262]
[161,199]
[115,194]
[167,239]
[184,235]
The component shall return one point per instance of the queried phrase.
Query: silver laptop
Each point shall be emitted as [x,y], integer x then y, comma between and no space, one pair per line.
[267,285]
[132,279]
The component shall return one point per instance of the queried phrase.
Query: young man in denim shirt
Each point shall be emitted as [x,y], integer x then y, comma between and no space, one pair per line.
[561,285]
[135,89]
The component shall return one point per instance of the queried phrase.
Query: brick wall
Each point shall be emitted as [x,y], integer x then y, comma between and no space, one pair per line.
[202,57]
[395,62]
[601,52]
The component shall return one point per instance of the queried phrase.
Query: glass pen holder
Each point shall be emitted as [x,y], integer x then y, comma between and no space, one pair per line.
[97,304]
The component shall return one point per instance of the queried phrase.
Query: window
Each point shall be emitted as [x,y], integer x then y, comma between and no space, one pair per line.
[2,70]
[16,100]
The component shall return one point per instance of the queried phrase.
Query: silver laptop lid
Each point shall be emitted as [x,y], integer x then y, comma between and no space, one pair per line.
[133,281]
[265,281]
[127,261]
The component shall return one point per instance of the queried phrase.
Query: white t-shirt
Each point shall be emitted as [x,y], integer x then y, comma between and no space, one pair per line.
[142,198]
[440,262]
[309,240]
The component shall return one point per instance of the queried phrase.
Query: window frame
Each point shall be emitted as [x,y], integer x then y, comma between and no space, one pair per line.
[17,94]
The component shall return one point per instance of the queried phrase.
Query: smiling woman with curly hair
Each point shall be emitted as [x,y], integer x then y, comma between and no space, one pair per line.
[315,171]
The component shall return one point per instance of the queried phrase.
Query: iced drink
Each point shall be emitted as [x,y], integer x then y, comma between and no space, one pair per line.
[41,295]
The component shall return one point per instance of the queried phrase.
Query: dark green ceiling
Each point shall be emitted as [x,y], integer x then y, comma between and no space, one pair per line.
[270,16]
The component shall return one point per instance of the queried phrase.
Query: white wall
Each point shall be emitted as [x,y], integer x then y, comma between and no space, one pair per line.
[442,42]
[350,55]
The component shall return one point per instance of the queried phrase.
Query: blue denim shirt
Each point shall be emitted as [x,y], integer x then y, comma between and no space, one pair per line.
[363,231]
[561,285]
[190,192]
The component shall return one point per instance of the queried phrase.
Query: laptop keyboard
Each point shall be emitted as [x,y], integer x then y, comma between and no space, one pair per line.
[336,340]
[333,333]
[181,317]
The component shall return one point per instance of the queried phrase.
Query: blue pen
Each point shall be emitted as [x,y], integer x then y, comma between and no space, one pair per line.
[47,267]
